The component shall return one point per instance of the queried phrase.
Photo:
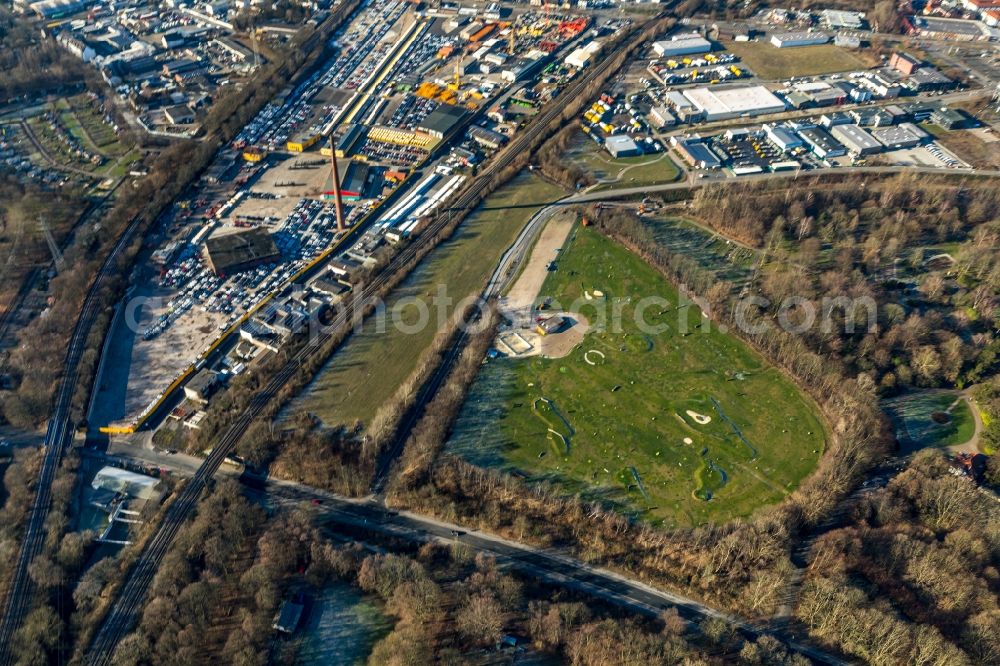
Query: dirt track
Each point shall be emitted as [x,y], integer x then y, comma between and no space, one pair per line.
[518,304]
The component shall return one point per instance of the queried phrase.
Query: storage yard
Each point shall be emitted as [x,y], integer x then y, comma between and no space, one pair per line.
[393,127]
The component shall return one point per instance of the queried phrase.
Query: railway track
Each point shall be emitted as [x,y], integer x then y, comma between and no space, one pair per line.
[124,612]
[17,602]
[19,593]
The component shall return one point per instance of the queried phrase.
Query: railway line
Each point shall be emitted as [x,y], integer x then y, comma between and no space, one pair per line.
[20,592]
[60,428]
[124,612]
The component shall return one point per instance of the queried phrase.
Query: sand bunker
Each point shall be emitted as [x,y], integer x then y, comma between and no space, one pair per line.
[700,419]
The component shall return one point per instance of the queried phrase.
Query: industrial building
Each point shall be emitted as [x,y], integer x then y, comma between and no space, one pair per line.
[950,29]
[661,117]
[49,9]
[679,45]
[855,139]
[828,120]
[582,56]
[178,114]
[440,122]
[200,388]
[783,137]
[334,290]
[885,84]
[686,111]
[835,19]
[821,143]
[904,63]
[927,79]
[695,152]
[487,138]
[302,142]
[724,103]
[904,135]
[949,119]
[784,40]
[348,142]
[621,146]
[233,252]
[354,183]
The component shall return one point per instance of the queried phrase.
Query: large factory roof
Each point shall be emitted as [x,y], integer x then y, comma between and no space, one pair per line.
[441,120]
[720,103]
[232,252]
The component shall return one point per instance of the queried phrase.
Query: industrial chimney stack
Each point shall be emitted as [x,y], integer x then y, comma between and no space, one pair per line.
[338,201]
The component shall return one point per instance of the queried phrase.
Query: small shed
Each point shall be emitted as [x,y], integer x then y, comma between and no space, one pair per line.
[288,617]
[552,324]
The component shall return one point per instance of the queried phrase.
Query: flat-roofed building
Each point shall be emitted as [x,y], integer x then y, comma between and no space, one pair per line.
[686,110]
[952,29]
[855,139]
[903,135]
[949,118]
[682,45]
[178,114]
[234,252]
[784,40]
[783,137]
[836,19]
[927,79]
[621,146]
[695,152]
[723,103]
[821,143]
[661,117]
[828,120]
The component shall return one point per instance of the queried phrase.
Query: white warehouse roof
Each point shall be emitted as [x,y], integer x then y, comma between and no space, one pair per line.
[722,103]
[117,480]
[682,45]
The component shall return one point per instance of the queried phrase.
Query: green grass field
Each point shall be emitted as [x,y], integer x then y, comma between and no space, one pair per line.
[686,428]
[625,171]
[771,63]
[931,418]
[371,365]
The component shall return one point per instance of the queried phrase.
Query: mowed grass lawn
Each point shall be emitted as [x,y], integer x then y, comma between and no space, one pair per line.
[367,370]
[771,63]
[931,418]
[684,428]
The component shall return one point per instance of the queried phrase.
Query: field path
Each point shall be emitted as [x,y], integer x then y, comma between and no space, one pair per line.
[972,445]
[525,290]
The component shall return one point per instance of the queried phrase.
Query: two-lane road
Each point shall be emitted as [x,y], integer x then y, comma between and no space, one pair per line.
[358,517]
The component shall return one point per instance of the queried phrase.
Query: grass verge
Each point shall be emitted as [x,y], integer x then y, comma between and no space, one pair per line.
[367,370]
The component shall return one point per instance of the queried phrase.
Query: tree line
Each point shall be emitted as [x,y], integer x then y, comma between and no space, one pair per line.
[912,577]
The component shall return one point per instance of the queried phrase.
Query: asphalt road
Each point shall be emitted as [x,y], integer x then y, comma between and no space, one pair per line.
[624,192]
[360,516]
[59,431]
[123,613]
